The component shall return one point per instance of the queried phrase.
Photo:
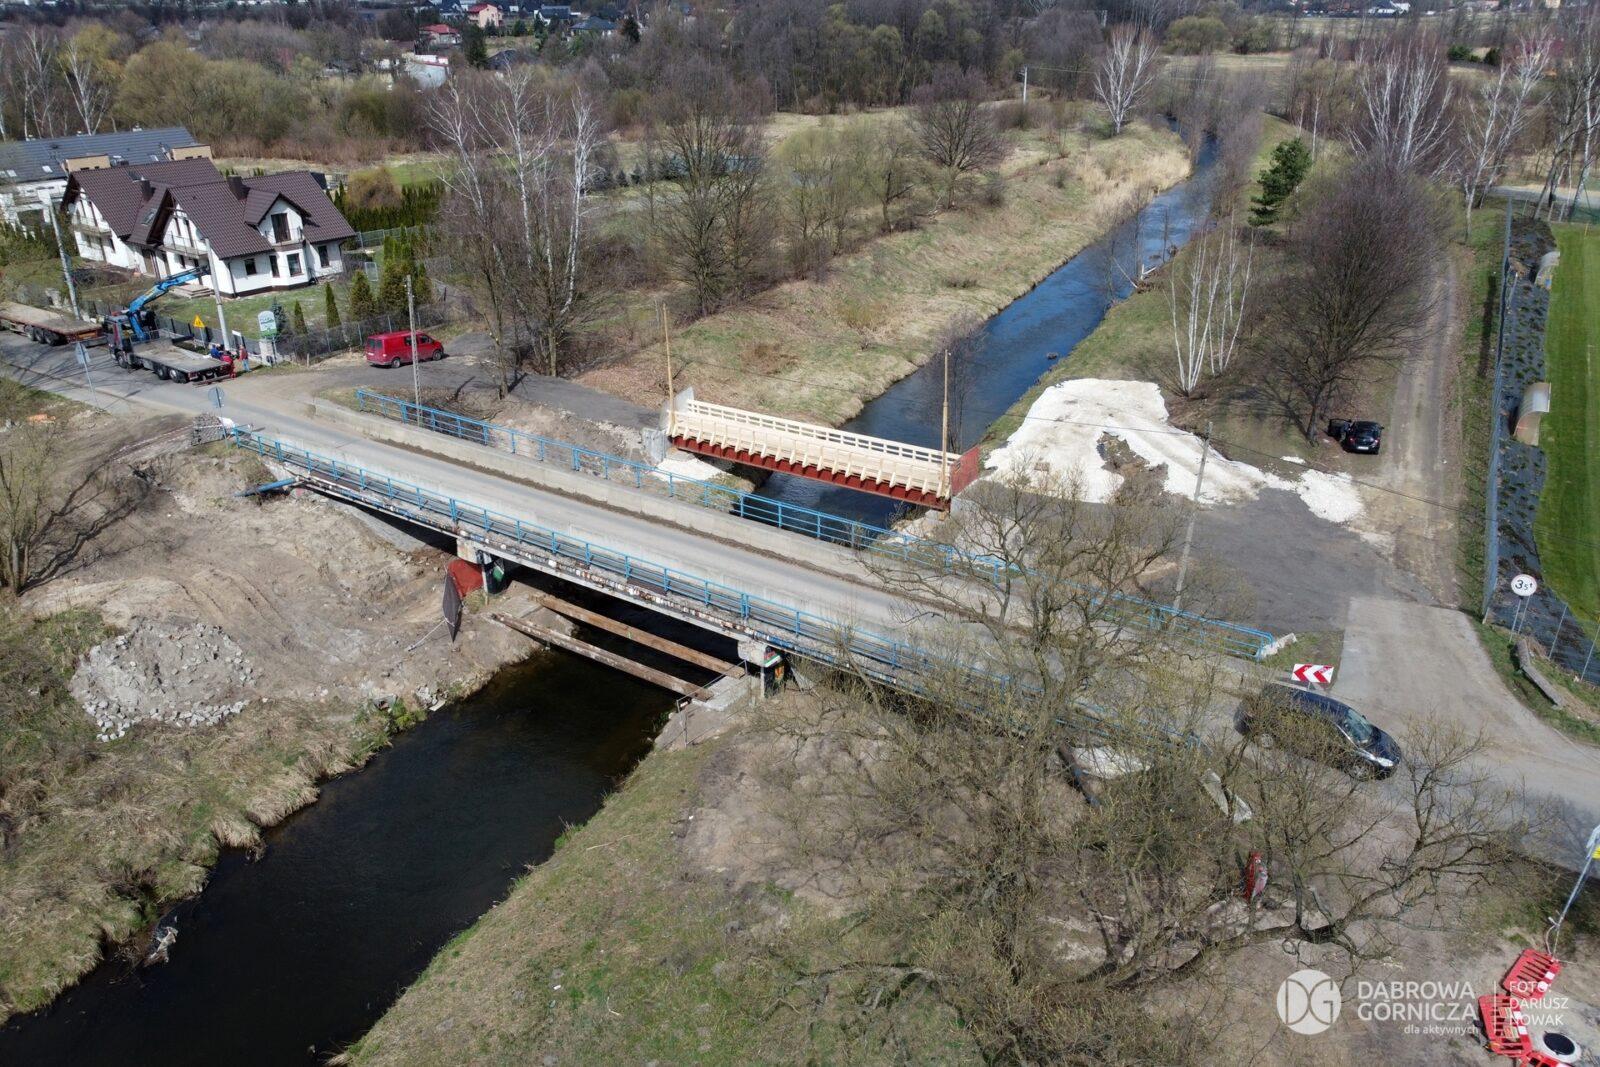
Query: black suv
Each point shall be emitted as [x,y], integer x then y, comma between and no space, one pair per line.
[1357,435]
[1320,728]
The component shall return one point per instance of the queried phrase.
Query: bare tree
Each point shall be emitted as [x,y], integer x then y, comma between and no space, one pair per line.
[518,211]
[1126,72]
[1406,97]
[40,81]
[954,131]
[1357,291]
[1497,113]
[1575,104]
[89,90]
[822,190]
[951,823]
[888,166]
[1207,300]
[714,222]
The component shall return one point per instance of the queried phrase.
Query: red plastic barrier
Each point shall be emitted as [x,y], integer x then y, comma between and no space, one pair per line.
[1532,975]
[1539,1059]
[467,576]
[1504,1026]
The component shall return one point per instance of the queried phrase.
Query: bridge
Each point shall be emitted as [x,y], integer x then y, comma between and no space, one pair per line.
[925,476]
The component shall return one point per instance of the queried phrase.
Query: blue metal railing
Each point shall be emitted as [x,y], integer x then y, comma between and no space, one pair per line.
[798,632]
[1196,630]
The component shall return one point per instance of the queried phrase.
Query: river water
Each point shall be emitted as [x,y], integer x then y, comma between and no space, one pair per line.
[287,958]
[1015,346]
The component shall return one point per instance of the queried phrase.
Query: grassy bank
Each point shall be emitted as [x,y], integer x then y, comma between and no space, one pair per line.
[820,349]
[622,949]
[1134,342]
[1568,522]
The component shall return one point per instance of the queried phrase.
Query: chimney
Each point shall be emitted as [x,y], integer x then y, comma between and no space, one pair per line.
[236,184]
[144,189]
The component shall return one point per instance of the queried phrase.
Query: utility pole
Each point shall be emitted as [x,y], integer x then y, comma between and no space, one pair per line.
[416,376]
[672,394]
[222,319]
[1024,87]
[944,432]
[1188,532]
[66,266]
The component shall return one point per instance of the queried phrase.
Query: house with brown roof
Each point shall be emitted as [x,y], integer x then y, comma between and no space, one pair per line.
[277,231]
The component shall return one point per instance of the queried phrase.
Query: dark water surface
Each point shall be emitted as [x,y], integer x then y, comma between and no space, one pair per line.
[1063,310]
[285,959]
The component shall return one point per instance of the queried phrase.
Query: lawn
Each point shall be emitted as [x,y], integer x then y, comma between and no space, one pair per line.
[1568,522]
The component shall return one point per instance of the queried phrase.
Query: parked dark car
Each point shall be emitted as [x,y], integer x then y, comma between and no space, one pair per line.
[1320,728]
[1357,435]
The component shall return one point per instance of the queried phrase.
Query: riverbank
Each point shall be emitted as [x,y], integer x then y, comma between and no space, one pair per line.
[300,637]
[819,350]
[671,927]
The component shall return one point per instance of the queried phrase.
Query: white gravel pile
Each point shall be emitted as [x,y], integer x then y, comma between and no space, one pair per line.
[1057,447]
[180,674]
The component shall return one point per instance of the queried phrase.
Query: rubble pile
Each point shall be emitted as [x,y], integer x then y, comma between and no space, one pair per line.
[181,674]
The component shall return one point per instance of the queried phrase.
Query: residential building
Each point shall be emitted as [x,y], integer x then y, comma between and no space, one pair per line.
[277,231]
[487,17]
[440,36]
[33,174]
[595,25]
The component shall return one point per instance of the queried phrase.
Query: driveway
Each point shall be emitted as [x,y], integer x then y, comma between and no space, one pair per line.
[1405,662]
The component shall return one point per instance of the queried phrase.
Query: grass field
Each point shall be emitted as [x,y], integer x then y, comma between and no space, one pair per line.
[1568,523]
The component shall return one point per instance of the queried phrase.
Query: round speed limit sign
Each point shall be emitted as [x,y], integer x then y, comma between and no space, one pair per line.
[1524,585]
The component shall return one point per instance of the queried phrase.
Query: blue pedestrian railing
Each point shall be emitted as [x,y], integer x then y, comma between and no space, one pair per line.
[1123,610]
[801,633]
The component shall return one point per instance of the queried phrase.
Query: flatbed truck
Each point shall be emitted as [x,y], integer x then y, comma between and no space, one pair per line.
[174,364]
[48,327]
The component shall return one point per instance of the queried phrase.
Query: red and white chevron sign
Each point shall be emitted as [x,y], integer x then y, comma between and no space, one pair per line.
[1316,673]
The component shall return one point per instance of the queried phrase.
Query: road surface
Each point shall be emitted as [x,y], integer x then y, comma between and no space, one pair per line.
[1405,659]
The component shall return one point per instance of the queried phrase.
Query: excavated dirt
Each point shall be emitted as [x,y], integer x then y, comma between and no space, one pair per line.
[314,603]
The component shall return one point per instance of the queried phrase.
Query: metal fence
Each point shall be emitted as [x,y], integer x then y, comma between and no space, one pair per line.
[1516,472]
[1197,630]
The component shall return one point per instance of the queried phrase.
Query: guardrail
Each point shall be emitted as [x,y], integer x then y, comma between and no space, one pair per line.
[798,632]
[1195,630]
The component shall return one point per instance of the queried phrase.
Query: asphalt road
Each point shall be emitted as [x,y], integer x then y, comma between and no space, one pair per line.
[1405,660]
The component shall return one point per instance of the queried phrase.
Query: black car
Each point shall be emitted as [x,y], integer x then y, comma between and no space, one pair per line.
[1357,435]
[1320,728]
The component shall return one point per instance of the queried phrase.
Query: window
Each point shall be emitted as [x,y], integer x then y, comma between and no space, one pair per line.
[291,263]
[250,267]
[322,255]
[280,227]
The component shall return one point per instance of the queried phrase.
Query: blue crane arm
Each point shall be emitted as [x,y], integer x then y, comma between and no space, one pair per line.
[164,285]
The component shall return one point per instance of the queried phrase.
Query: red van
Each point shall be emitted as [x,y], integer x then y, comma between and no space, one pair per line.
[394,348]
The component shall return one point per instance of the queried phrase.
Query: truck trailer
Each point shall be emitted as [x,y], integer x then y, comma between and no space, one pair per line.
[48,327]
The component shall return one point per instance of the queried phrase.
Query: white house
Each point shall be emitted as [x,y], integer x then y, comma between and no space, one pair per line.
[278,231]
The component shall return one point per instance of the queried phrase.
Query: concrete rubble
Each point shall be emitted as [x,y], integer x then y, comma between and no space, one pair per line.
[179,673]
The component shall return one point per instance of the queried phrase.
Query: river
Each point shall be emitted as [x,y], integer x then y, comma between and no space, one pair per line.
[287,958]
[1015,346]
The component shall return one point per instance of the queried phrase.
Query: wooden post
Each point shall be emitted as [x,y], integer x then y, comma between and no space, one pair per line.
[672,394]
[944,433]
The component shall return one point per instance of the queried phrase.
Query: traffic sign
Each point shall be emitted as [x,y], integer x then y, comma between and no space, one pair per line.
[1524,585]
[216,396]
[199,323]
[1313,673]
